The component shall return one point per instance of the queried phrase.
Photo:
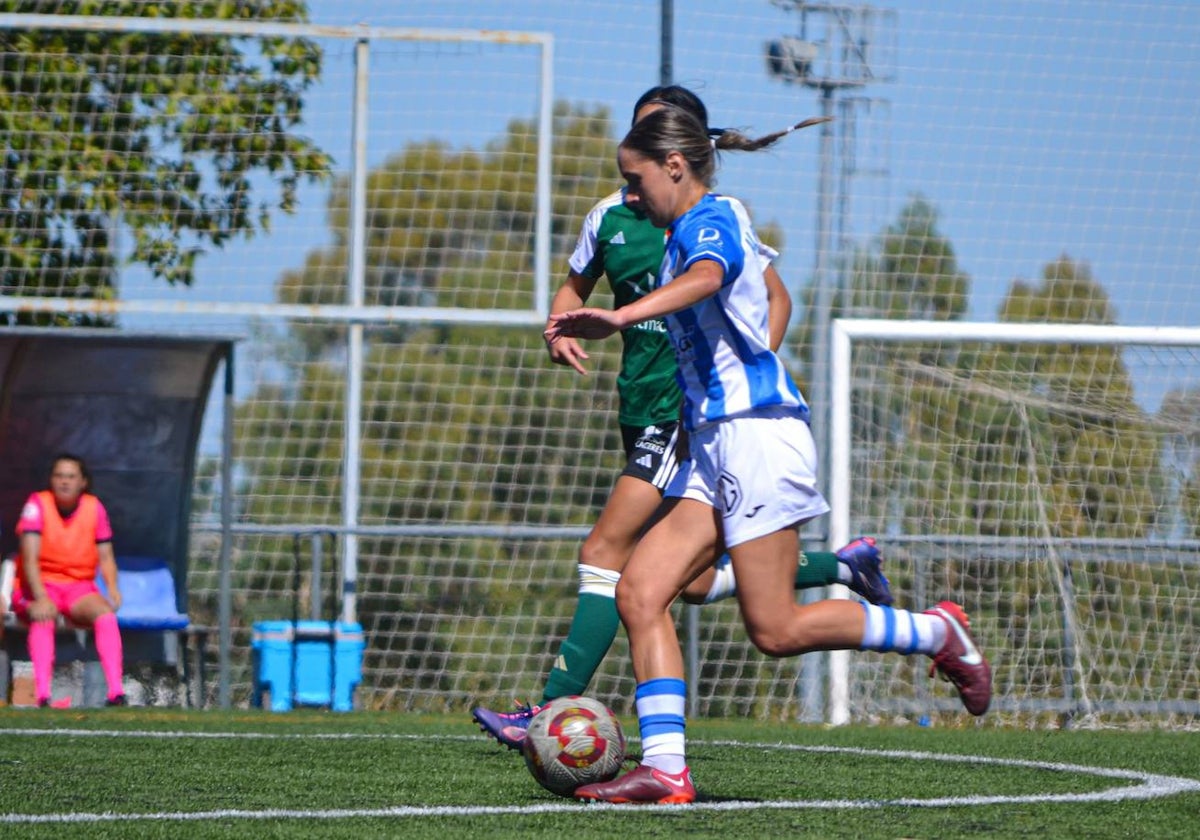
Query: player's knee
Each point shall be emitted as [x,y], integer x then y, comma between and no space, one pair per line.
[769,641]
[87,611]
[636,607]
[599,551]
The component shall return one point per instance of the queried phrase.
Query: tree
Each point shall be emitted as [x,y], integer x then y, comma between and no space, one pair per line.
[429,243]
[160,134]
[910,272]
[1179,418]
[461,424]
[999,436]
[454,228]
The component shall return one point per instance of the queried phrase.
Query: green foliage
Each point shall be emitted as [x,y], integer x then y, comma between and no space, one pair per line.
[159,134]
[918,273]
[435,407]
[910,273]
[986,439]
[455,228]
[1179,417]
[996,437]
[461,424]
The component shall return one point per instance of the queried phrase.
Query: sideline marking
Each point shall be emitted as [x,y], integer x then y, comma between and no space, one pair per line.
[1147,785]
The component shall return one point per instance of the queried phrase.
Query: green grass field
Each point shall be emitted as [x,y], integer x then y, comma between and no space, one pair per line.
[171,774]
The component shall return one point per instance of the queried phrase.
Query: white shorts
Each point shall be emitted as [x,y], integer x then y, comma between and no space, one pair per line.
[759,471]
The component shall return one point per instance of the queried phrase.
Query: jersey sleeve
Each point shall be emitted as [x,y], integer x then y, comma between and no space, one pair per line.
[587,260]
[713,237]
[31,519]
[103,524]
[766,254]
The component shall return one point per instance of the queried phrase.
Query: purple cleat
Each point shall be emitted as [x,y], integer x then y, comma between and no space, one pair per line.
[864,561]
[506,727]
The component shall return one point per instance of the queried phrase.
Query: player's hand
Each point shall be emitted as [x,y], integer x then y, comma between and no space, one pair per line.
[114,598]
[42,609]
[566,351]
[584,323]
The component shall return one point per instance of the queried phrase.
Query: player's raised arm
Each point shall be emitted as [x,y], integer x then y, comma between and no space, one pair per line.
[702,280]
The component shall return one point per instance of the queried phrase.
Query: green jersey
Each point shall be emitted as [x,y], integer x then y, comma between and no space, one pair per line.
[621,244]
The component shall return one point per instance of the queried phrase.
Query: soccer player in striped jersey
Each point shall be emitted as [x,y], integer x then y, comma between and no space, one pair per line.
[618,242]
[750,481]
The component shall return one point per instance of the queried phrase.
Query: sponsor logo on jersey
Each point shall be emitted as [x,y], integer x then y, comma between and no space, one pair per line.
[619,239]
[650,326]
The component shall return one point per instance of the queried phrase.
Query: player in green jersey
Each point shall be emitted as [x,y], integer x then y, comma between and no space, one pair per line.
[621,244]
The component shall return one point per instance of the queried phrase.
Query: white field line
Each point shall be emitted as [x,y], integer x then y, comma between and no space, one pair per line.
[1144,786]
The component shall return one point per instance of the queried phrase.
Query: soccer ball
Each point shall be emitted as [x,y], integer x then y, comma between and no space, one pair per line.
[573,741]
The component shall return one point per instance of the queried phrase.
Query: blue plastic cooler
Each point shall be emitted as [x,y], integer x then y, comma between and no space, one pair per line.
[306,663]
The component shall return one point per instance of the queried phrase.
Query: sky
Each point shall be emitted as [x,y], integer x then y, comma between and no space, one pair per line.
[1036,129]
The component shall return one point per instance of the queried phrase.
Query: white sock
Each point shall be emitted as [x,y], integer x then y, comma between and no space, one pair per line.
[844,574]
[596,581]
[902,631]
[660,708]
[723,585]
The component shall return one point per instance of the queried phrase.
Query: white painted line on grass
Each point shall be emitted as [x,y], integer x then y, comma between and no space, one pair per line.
[1146,786]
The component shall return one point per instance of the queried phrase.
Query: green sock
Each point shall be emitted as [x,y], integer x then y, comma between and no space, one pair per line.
[817,568]
[591,635]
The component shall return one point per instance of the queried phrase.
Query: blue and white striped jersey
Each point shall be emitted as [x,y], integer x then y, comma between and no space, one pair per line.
[722,345]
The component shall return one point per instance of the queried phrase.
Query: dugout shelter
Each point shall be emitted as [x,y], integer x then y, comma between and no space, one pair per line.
[132,405]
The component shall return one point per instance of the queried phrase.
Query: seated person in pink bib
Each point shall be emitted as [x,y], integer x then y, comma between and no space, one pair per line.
[65,537]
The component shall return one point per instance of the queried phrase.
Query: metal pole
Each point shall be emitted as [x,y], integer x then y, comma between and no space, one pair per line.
[812,700]
[356,296]
[666,51]
[225,566]
[315,588]
[691,612]
[544,187]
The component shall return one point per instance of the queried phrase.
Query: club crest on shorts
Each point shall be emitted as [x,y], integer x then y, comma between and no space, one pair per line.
[731,493]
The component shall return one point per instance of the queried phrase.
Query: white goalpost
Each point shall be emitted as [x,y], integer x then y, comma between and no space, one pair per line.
[1019,469]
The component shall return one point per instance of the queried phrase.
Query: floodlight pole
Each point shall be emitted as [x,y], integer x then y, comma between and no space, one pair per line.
[691,612]
[837,48]
[666,48]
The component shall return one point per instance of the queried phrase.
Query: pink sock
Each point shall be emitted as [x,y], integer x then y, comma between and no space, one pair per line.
[108,645]
[41,654]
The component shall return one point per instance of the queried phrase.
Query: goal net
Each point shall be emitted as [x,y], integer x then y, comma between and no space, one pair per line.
[380,203]
[1044,476]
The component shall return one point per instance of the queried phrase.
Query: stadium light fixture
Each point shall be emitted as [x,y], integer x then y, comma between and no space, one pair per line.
[791,59]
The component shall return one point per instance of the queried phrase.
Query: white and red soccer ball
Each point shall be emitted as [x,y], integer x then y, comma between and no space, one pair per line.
[573,741]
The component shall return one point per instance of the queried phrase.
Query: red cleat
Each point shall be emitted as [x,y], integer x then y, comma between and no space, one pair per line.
[960,661]
[642,785]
